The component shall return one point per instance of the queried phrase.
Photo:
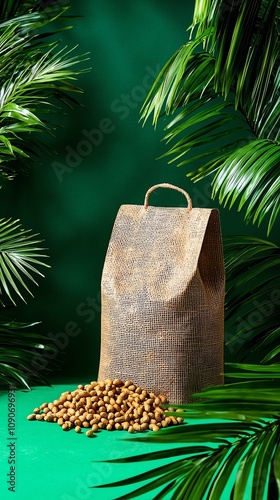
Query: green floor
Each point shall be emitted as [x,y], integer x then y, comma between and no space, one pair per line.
[52,463]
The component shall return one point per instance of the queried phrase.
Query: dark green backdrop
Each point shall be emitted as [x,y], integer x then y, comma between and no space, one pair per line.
[105,159]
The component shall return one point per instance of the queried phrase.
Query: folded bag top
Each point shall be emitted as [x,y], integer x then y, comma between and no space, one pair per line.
[162,299]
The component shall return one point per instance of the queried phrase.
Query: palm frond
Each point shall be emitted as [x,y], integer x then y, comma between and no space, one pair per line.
[233,56]
[32,15]
[36,78]
[252,174]
[21,350]
[243,443]
[20,254]
[252,297]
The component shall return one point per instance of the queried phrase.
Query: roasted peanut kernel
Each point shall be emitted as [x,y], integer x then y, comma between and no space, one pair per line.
[119,419]
[137,427]
[117,381]
[145,419]
[48,418]
[154,427]
[158,416]
[144,426]
[32,416]
[90,433]
[109,404]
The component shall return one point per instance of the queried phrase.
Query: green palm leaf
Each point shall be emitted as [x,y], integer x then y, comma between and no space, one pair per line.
[35,78]
[232,57]
[19,254]
[20,347]
[252,297]
[242,442]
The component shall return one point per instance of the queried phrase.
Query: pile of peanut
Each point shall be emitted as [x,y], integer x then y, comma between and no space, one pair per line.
[108,404]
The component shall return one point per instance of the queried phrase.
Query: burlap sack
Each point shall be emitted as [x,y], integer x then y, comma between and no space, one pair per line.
[162,315]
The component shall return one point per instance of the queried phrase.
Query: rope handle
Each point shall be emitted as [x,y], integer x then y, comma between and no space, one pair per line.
[169,186]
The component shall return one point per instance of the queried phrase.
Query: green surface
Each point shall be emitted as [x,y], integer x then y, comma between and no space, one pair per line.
[63,465]
[52,463]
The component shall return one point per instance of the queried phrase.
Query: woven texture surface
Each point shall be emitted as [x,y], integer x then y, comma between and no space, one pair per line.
[162,289]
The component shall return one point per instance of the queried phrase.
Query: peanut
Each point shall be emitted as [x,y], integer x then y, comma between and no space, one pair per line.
[32,416]
[109,404]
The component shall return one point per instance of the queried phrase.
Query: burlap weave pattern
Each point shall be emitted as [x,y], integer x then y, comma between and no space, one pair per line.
[162,297]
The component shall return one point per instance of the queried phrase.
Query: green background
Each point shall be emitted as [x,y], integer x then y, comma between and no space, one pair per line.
[104,158]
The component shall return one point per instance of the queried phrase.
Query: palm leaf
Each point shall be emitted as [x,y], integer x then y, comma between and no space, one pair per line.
[252,297]
[19,254]
[35,78]
[20,347]
[233,56]
[242,442]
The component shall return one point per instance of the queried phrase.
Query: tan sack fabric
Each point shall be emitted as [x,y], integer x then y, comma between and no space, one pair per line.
[162,294]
